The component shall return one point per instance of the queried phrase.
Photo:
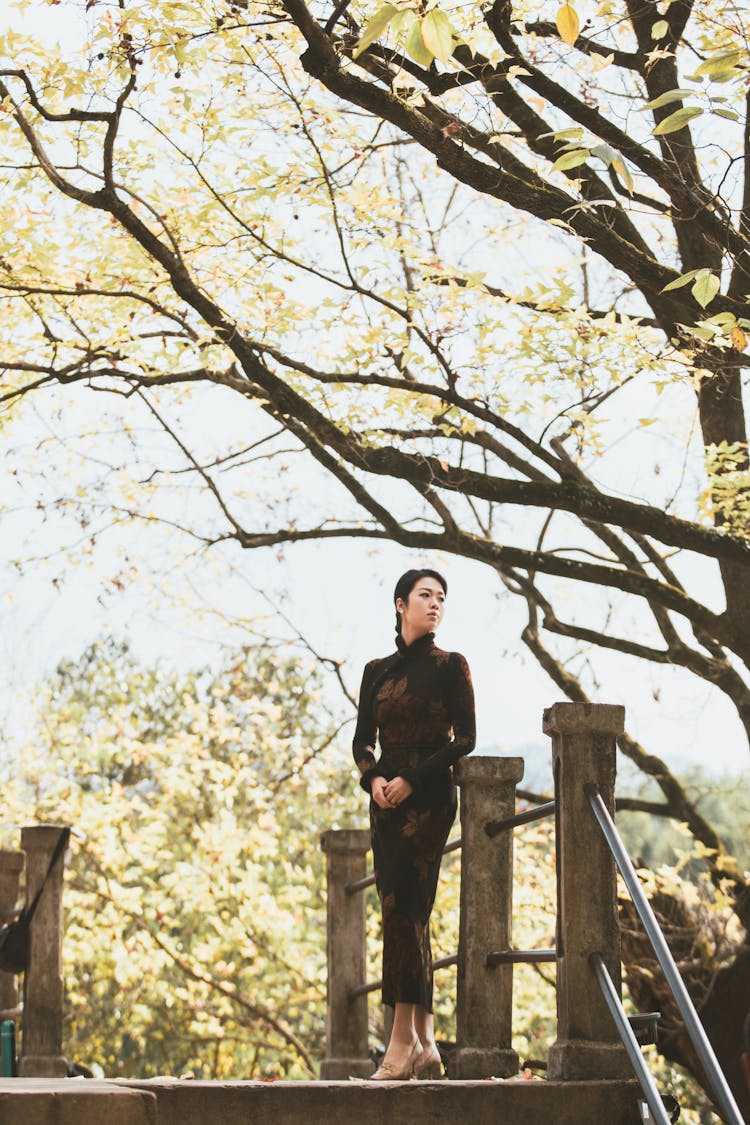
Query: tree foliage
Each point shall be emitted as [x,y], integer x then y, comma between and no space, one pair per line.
[194,900]
[195,911]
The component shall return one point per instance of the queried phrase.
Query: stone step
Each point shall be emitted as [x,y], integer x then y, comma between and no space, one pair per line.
[34,1101]
[74,1101]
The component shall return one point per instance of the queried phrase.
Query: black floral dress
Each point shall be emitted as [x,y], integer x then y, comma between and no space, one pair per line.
[420,703]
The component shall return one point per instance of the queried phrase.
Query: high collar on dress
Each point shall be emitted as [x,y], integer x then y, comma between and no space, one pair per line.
[423,644]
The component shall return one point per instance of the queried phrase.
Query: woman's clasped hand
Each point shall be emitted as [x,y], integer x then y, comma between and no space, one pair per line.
[389,794]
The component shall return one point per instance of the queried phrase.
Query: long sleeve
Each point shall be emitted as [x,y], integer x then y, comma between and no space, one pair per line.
[363,745]
[460,698]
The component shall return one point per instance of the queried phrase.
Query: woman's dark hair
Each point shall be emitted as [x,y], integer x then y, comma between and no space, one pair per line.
[406,584]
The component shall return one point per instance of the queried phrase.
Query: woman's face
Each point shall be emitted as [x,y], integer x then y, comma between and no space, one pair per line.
[423,610]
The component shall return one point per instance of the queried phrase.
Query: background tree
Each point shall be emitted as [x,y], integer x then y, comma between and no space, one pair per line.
[195,907]
[194,209]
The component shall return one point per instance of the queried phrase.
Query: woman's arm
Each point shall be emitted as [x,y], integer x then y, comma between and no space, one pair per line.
[460,699]
[366,731]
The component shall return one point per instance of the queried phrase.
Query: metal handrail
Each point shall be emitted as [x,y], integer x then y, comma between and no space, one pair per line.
[369,880]
[695,1028]
[495,827]
[359,884]
[520,957]
[371,986]
[492,828]
[629,1041]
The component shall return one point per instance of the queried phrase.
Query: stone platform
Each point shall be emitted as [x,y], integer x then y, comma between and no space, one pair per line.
[36,1101]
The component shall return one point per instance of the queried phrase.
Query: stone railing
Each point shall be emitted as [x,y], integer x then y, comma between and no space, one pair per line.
[41,1009]
[587,1046]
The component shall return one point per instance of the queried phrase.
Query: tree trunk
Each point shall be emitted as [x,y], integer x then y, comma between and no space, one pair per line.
[722,418]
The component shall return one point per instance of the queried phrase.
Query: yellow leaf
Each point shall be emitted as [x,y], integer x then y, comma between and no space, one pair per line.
[623,171]
[571,160]
[677,120]
[705,287]
[375,28]
[739,339]
[574,134]
[437,34]
[415,46]
[717,66]
[568,24]
[402,21]
[683,279]
[701,333]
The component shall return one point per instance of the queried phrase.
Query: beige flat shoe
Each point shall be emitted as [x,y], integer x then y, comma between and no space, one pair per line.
[399,1072]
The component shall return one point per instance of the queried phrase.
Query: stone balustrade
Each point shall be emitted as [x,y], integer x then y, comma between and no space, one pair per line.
[587,1047]
[11,866]
[41,1012]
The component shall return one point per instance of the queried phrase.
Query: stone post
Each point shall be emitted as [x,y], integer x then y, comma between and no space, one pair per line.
[346,1019]
[484,996]
[11,865]
[584,750]
[41,1054]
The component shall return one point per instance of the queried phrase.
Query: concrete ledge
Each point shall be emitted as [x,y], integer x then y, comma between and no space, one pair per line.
[38,1101]
[371,1103]
[473,1062]
[337,1070]
[571,1058]
[74,1101]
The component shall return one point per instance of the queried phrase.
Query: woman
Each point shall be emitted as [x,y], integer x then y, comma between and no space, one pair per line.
[421,704]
